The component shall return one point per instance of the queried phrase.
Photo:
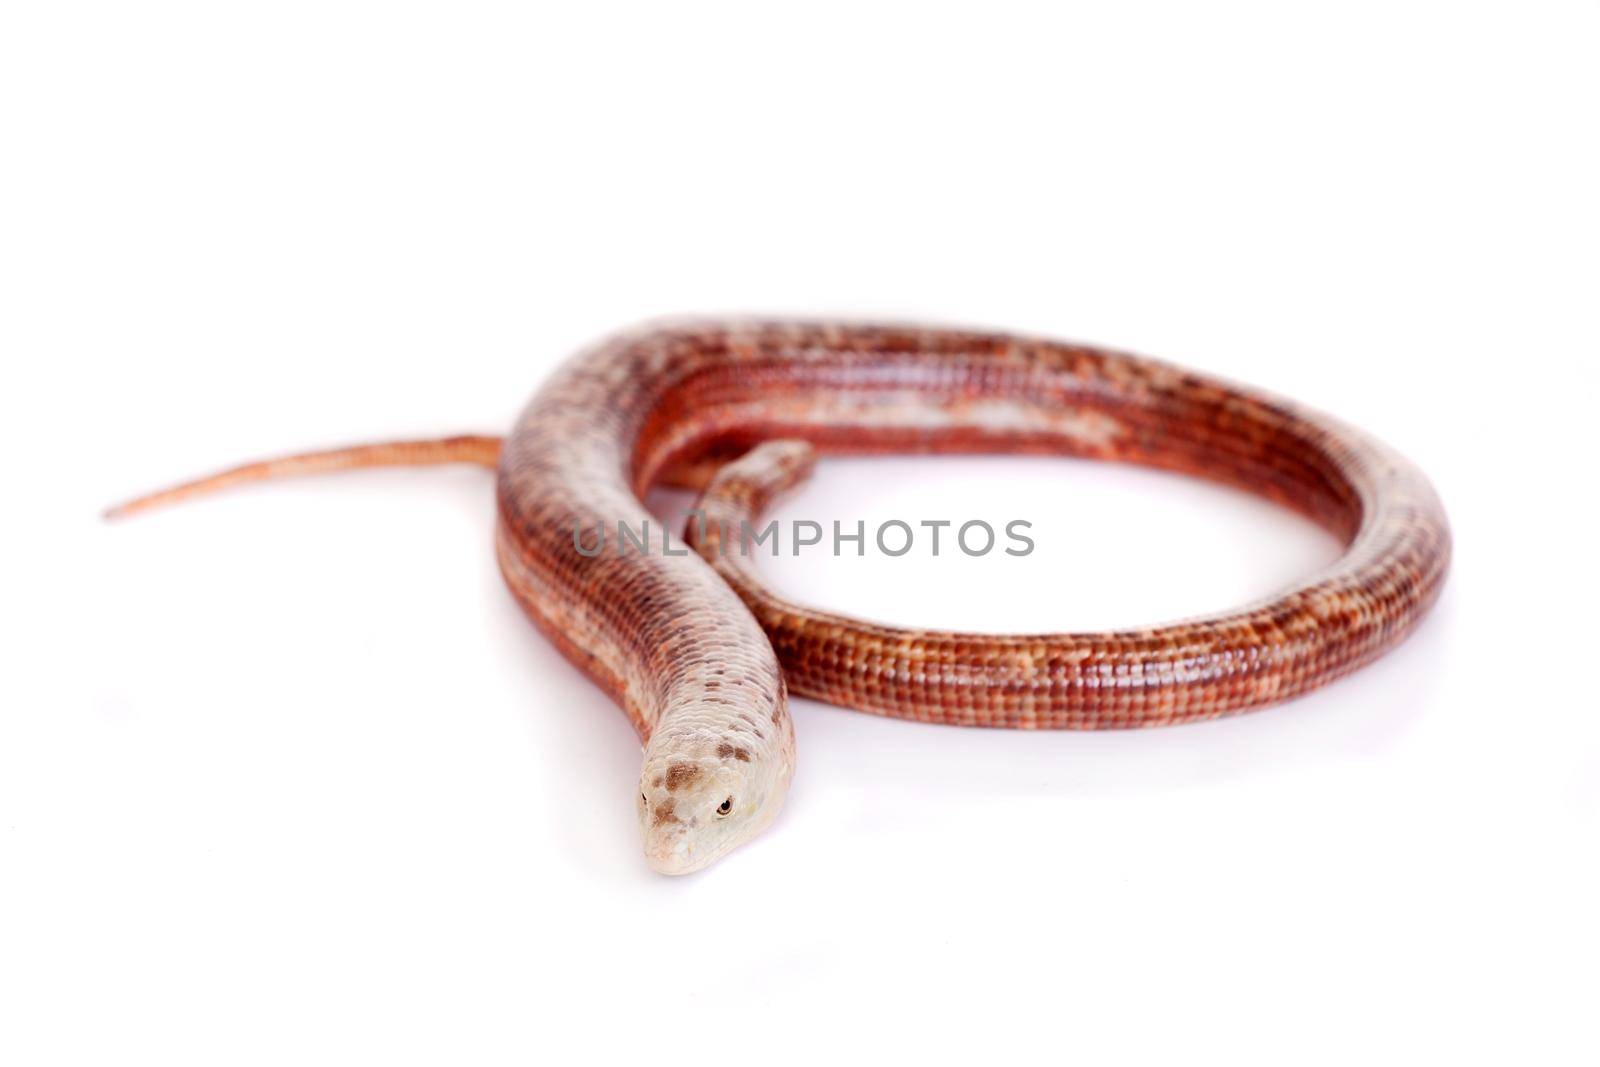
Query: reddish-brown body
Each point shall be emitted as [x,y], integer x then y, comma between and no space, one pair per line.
[620,416]
[701,655]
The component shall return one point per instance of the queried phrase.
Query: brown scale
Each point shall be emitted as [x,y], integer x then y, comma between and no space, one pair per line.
[682,392]
[691,645]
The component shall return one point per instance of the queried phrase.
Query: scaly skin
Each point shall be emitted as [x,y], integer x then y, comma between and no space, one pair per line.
[691,647]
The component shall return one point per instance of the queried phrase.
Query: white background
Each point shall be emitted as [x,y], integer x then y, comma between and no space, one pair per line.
[286,778]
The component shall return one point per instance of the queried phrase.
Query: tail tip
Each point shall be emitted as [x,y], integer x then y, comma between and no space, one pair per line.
[118,512]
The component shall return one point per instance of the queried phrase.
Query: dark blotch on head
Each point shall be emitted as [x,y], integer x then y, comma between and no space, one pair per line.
[681,774]
[727,751]
[664,813]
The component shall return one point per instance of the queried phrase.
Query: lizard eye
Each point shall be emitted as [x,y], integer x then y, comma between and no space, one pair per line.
[725,807]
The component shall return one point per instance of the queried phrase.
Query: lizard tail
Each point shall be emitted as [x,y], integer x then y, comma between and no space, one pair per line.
[484,451]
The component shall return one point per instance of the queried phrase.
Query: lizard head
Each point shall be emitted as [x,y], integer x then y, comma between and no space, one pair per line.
[711,782]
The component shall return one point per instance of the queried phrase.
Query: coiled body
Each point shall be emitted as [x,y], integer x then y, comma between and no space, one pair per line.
[702,656]
[692,649]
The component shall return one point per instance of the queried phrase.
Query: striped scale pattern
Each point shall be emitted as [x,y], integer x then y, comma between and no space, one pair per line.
[701,654]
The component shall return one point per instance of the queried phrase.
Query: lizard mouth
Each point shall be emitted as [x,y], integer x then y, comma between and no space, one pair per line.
[672,850]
